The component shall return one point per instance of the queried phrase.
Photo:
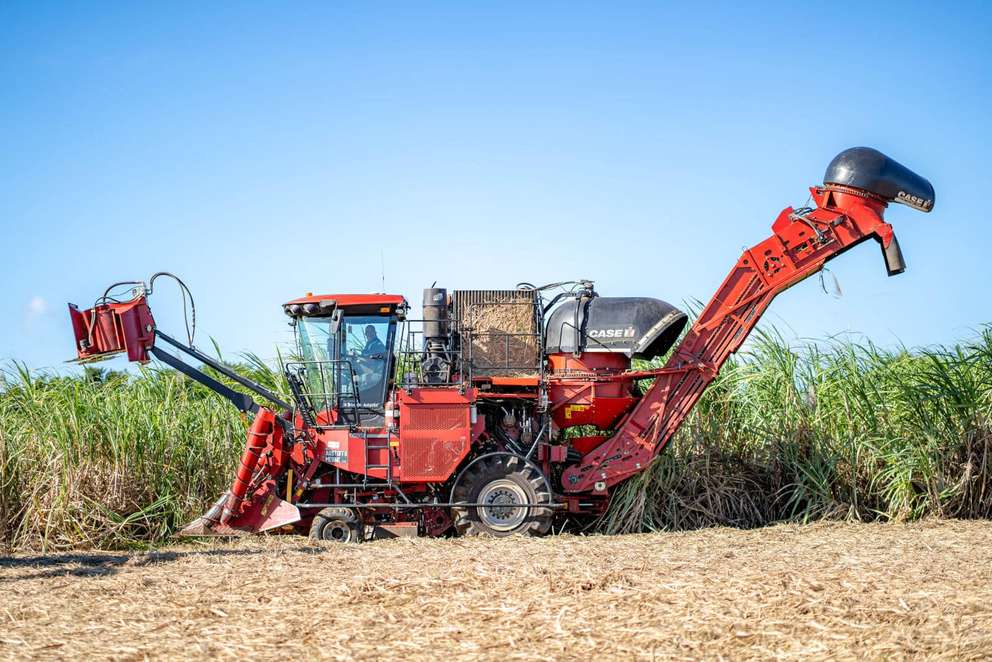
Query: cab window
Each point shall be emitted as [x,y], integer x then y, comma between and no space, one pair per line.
[352,360]
[366,340]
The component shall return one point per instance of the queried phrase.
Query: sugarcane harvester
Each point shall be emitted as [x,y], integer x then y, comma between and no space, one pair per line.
[500,412]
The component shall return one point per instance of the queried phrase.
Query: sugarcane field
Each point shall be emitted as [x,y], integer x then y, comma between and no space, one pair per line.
[495,332]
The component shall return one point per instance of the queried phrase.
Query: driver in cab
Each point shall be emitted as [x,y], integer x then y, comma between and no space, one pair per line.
[374,349]
[370,368]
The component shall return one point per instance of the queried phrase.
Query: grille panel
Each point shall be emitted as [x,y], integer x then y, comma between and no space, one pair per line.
[430,458]
[499,331]
[437,417]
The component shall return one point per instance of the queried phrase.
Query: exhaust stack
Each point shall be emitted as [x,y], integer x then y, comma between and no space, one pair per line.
[436,367]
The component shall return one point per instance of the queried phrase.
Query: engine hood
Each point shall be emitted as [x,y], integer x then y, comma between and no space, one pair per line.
[638,327]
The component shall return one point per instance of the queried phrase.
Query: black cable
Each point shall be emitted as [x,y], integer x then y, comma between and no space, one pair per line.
[106,292]
[113,299]
[190,319]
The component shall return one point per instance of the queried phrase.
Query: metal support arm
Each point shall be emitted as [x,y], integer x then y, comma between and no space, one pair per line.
[240,400]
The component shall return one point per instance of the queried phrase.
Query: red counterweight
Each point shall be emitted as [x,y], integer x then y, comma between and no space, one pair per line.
[110,328]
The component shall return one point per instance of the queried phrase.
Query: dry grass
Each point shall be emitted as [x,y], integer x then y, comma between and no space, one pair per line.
[882,591]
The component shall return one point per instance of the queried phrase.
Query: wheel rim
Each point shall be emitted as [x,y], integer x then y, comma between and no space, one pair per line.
[501,512]
[337,531]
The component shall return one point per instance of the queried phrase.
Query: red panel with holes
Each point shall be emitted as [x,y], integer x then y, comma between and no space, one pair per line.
[112,328]
[435,432]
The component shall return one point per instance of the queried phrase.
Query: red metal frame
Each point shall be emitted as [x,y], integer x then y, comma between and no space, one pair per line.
[799,247]
[110,328]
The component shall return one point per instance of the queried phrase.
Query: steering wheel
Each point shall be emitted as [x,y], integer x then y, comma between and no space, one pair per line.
[367,370]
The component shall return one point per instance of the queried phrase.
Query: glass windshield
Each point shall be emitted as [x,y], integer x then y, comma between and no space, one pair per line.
[357,355]
[315,340]
[365,351]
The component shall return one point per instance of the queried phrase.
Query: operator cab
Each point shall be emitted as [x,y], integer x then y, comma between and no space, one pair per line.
[345,361]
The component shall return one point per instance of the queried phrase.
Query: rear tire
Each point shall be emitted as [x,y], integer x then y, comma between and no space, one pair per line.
[502,480]
[337,525]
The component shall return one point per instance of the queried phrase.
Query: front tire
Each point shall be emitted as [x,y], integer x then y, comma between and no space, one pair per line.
[500,481]
[337,525]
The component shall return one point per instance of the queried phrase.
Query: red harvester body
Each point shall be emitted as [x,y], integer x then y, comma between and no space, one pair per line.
[501,411]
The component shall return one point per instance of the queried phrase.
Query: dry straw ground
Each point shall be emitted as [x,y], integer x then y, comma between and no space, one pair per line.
[883,591]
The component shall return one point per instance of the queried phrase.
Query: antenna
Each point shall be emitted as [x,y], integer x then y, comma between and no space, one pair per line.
[382,270]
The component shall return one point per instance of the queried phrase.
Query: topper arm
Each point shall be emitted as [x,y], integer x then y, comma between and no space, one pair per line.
[801,243]
[242,401]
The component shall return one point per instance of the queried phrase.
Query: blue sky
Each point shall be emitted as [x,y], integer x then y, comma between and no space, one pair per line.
[265,150]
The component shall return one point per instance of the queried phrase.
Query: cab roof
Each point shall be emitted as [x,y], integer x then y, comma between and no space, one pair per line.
[349,300]
[322,305]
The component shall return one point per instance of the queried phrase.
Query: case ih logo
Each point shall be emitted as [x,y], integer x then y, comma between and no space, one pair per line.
[914,201]
[612,333]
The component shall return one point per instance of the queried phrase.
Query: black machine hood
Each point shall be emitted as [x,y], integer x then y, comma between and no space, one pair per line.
[867,169]
[638,327]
